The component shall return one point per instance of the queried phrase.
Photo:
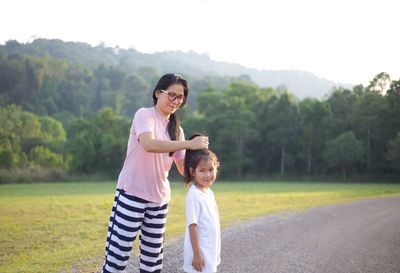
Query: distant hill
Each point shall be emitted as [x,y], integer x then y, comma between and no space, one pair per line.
[302,84]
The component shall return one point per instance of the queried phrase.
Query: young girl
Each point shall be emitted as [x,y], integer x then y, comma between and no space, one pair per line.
[202,246]
[156,141]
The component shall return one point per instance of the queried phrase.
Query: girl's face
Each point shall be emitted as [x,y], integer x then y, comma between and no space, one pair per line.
[204,174]
[169,100]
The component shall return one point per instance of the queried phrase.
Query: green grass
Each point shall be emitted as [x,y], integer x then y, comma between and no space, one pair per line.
[61,227]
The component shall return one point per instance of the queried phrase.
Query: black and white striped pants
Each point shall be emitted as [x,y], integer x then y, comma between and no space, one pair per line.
[129,215]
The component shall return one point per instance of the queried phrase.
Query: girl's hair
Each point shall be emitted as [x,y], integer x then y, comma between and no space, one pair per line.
[193,157]
[164,83]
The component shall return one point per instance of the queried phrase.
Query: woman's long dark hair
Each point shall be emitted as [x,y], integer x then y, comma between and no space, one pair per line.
[193,157]
[164,83]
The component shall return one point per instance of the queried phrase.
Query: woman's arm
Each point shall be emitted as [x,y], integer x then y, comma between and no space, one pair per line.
[198,261]
[180,166]
[165,146]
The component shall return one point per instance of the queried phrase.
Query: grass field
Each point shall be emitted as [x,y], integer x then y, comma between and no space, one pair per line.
[61,227]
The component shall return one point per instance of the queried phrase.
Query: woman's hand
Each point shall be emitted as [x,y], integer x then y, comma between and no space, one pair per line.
[152,145]
[198,262]
[199,142]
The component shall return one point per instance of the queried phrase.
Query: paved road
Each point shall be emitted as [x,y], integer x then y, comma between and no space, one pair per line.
[363,237]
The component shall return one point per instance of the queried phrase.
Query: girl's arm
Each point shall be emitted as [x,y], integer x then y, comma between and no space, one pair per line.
[198,261]
[165,146]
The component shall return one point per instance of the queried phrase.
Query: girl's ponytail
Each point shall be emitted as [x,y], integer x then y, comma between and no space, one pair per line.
[187,176]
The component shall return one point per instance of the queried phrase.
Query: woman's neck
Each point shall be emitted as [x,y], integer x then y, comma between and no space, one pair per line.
[164,115]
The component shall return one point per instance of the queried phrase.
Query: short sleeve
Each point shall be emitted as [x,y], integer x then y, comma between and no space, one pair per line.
[143,122]
[180,155]
[192,209]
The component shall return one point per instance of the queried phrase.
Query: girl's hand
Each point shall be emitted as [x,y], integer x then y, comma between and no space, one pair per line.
[198,262]
[200,142]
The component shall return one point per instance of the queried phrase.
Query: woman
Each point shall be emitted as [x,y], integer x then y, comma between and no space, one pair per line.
[141,201]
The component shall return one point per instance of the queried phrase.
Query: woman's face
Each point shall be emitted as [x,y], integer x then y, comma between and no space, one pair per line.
[169,100]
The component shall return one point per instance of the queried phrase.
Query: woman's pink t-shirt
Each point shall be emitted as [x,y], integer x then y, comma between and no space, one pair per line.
[145,174]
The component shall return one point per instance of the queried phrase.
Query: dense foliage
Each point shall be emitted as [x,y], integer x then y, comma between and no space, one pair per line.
[59,114]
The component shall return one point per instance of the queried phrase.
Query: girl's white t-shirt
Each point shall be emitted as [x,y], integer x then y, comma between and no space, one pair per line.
[202,210]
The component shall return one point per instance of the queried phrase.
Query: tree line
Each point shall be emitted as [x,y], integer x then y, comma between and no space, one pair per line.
[56,115]
[259,132]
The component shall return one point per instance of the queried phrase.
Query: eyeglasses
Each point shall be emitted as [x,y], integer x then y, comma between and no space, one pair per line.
[173,96]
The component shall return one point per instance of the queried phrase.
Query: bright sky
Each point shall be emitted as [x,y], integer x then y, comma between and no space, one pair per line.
[346,41]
